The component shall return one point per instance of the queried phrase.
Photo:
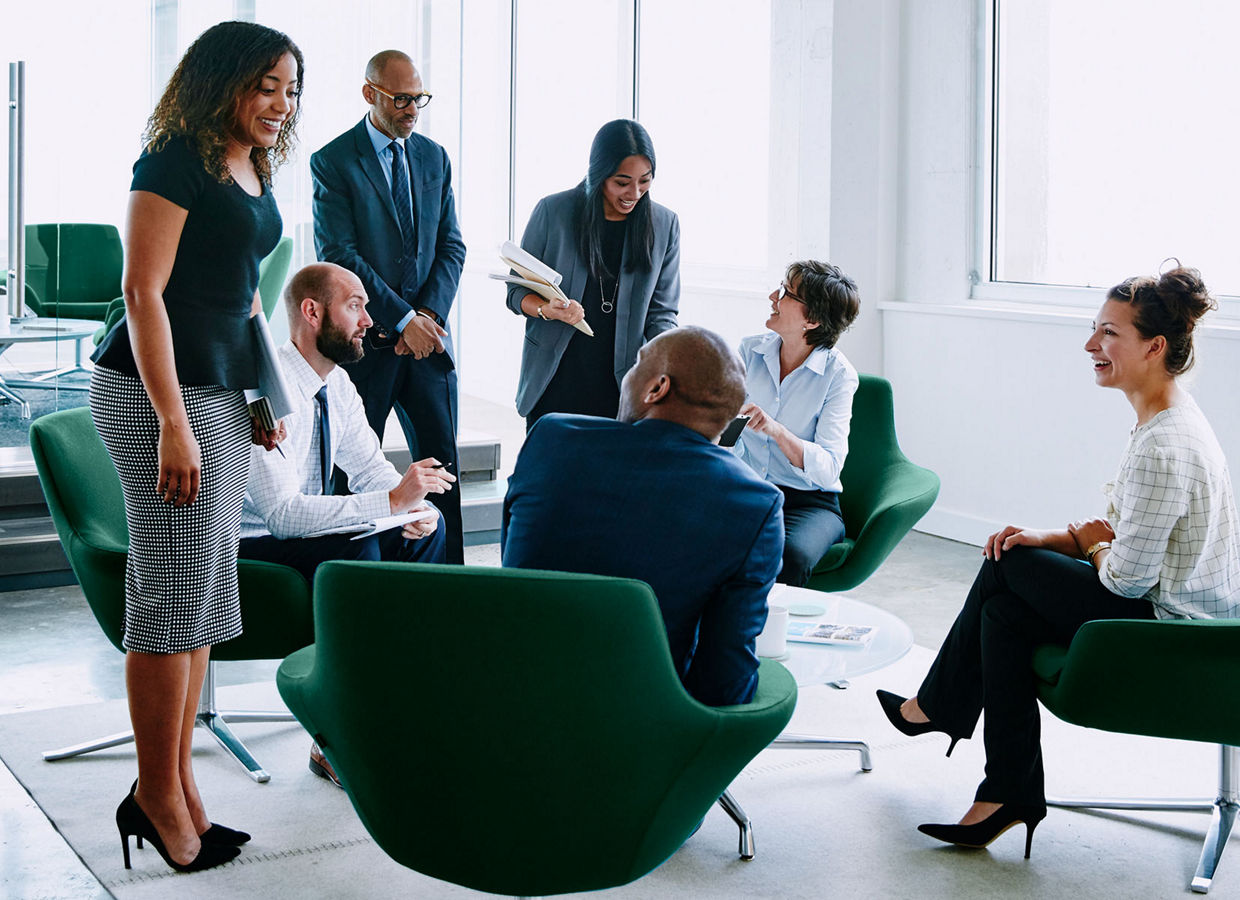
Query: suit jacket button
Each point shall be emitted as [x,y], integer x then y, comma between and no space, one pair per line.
[400,259]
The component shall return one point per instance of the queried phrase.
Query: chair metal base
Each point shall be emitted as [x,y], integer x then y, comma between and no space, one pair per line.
[729,805]
[1223,813]
[788,741]
[214,720]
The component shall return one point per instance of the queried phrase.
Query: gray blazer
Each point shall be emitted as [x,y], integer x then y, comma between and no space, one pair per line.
[646,305]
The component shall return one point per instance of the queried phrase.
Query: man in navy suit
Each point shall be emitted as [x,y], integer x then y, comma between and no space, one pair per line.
[383,209]
[652,496]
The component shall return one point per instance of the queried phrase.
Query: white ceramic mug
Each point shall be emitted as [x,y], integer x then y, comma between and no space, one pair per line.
[773,641]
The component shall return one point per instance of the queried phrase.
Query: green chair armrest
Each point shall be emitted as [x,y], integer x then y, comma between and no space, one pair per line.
[1163,678]
[293,682]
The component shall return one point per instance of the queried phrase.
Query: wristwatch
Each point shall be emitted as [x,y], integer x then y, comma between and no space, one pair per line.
[1094,548]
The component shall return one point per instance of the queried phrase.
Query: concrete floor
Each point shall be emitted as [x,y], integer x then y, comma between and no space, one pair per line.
[55,655]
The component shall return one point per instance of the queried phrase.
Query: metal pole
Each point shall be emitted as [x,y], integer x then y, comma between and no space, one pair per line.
[512,121]
[17,189]
[637,58]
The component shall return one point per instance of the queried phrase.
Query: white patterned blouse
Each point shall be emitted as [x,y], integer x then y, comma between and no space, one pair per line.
[1177,538]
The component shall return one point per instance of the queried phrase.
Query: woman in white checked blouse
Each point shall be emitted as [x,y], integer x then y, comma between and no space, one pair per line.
[798,393]
[1169,547]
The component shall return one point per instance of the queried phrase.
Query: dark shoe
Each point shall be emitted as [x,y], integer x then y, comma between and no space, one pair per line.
[980,834]
[891,706]
[223,835]
[130,819]
[321,767]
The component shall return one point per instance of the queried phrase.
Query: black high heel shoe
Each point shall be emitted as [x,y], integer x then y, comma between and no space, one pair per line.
[216,834]
[891,706]
[980,834]
[130,819]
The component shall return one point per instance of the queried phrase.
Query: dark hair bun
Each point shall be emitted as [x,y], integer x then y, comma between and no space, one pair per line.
[1170,306]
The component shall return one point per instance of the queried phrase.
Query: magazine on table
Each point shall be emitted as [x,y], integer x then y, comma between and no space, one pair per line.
[829,633]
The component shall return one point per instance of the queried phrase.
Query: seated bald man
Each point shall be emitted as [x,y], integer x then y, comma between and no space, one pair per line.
[651,495]
[289,493]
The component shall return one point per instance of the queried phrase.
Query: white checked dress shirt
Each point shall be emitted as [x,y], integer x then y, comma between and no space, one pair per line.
[814,402]
[285,494]
[1177,538]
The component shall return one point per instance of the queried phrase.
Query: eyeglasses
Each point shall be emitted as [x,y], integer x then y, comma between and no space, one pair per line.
[783,292]
[401,101]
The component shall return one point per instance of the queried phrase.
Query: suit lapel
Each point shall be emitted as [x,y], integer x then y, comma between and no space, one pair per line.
[369,163]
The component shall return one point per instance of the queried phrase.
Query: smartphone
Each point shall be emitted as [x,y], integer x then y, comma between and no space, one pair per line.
[732,433]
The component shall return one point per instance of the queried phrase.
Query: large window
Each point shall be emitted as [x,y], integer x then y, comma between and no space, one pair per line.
[1113,141]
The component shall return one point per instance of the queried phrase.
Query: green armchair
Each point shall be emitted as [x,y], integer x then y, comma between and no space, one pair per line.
[884,494]
[73,268]
[83,494]
[546,744]
[1105,679]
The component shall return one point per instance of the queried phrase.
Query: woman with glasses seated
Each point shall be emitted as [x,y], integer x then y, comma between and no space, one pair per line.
[619,254]
[799,390]
[1169,548]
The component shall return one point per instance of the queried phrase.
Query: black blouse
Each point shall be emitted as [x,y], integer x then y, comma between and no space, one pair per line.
[210,291]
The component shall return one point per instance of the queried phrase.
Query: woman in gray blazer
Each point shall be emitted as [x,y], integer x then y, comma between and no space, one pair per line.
[619,252]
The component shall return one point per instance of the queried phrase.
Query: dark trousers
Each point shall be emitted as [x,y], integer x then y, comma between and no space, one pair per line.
[812,523]
[1028,597]
[305,554]
[424,394]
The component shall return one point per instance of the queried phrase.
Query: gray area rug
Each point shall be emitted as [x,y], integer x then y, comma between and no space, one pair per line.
[823,828]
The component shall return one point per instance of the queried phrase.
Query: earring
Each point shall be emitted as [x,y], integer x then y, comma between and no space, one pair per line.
[804,328]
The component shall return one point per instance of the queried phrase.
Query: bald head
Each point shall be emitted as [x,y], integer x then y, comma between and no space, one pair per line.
[379,62]
[688,375]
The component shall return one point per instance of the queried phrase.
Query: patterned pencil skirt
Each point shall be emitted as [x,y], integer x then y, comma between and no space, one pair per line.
[181,577]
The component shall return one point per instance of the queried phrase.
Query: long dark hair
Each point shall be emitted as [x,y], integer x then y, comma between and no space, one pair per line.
[200,102]
[615,142]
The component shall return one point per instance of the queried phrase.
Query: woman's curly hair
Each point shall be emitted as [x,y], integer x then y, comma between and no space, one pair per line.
[200,103]
[1168,305]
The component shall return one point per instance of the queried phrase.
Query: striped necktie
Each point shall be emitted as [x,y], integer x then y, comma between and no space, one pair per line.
[404,215]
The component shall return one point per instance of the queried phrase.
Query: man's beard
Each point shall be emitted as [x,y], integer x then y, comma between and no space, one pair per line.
[335,344]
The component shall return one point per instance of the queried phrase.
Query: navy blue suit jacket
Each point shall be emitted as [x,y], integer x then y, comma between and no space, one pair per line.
[656,501]
[355,225]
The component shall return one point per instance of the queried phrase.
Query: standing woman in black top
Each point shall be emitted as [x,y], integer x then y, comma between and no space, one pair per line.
[167,399]
[619,252]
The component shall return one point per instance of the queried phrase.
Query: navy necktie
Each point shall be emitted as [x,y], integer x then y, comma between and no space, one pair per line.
[325,441]
[404,215]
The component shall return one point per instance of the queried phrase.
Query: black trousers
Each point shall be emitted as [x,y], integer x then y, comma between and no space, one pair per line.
[305,554]
[1028,597]
[812,523]
[424,395]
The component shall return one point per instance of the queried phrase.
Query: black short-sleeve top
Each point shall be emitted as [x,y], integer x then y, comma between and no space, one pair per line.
[210,291]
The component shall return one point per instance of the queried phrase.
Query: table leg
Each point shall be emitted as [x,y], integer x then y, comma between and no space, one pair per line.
[811,742]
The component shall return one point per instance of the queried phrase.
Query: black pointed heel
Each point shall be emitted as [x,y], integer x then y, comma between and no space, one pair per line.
[216,834]
[981,834]
[131,820]
[891,706]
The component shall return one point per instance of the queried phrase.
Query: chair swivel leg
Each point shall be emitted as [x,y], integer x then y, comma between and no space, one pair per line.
[1222,819]
[738,815]
[809,742]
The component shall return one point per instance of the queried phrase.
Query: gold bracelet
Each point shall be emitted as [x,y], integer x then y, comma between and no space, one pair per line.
[1096,548]
[540,313]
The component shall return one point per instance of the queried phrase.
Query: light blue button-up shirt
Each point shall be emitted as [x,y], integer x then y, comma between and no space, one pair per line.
[814,402]
[383,150]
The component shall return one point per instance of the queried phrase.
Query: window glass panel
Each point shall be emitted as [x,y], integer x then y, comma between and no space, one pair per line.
[1113,146]
[705,98]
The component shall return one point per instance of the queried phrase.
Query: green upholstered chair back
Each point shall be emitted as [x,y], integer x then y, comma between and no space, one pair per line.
[272,273]
[1170,678]
[75,268]
[515,731]
[84,497]
[883,496]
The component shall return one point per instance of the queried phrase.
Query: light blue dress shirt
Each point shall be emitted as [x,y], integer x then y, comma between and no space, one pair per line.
[814,402]
[383,150]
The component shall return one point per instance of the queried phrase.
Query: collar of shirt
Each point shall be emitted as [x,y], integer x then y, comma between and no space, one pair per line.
[381,142]
[768,349]
[301,376]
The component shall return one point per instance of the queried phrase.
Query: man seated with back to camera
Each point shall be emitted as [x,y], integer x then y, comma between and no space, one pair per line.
[289,493]
[651,495]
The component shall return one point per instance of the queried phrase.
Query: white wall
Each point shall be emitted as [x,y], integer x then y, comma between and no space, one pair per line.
[999,400]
